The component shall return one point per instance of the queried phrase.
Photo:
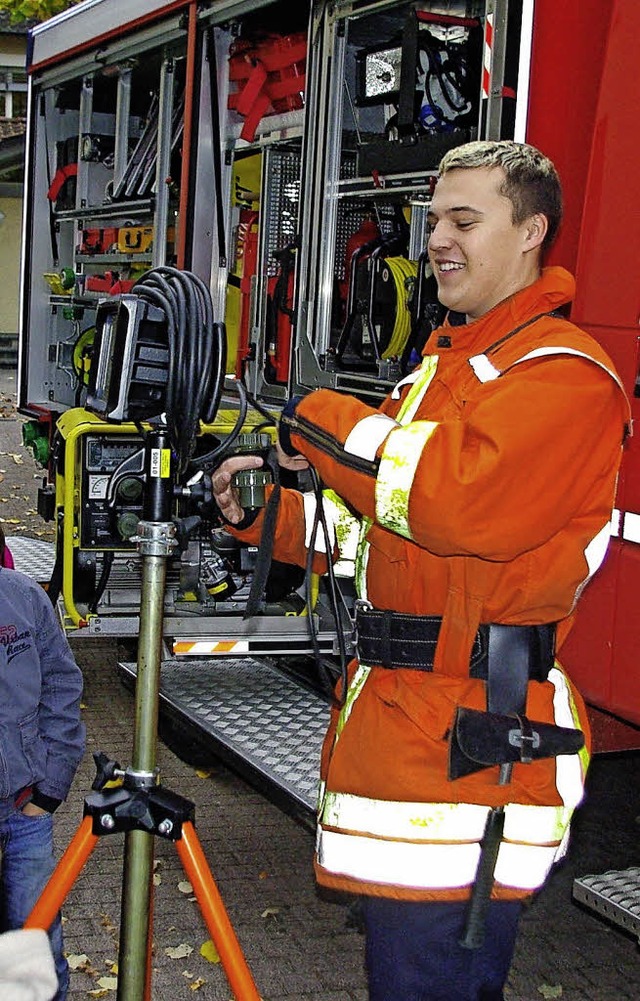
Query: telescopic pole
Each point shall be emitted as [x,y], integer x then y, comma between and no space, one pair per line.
[156,542]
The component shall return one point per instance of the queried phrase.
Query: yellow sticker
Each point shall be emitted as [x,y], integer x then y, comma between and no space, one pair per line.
[160,467]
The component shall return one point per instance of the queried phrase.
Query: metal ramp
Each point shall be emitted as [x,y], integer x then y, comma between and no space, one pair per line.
[612,895]
[265,724]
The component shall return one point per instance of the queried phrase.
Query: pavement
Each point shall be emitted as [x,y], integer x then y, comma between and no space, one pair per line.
[300,944]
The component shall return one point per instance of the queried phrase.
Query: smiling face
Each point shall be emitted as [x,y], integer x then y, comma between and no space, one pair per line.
[478,255]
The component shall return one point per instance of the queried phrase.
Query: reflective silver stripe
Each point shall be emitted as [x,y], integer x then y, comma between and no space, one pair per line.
[367,435]
[407,381]
[398,463]
[631,527]
[486,371]
[376,861]
[595,553]
[429,866]
[524,867]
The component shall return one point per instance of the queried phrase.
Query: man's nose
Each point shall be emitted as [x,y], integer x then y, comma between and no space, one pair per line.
[439,236]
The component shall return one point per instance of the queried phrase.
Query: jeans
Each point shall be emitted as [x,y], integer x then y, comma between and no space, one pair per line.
[413,951]
[26,844]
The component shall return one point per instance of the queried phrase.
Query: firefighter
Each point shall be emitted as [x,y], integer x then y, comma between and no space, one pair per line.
[481,490]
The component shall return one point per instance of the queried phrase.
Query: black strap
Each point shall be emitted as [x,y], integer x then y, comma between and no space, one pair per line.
[217,146]
[508,659]
[265,551]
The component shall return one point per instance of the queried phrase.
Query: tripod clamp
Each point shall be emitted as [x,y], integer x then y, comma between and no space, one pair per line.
[156,538]
[139,804]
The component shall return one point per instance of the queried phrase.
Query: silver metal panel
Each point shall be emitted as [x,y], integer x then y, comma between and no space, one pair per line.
[80,25]
[613,895]
[262,717]
[33,557]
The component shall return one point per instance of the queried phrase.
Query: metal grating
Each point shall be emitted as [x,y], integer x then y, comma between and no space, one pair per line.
[282,176]
[263,719]
[33,557]
[613,895]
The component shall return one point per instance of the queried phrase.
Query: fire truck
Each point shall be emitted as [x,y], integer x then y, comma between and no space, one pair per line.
[285,155]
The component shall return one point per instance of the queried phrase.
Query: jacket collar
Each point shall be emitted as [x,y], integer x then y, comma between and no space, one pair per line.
[554,288]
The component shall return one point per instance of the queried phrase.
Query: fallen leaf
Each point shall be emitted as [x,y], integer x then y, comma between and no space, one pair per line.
[77,961]
[549,991]
[108,983]
[270,912]
[99,993]
[157,879]
[19,461]
[179,951]
[197,984]
[209,952]
[185,887]
[263,875]
[202,774]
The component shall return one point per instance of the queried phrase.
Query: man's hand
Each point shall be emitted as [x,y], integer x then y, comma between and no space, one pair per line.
[294,462]
[224,493]
[30,810]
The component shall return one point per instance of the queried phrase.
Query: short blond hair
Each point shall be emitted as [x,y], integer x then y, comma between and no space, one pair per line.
[531,181]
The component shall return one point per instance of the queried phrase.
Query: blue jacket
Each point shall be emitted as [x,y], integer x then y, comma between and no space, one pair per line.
[41,735]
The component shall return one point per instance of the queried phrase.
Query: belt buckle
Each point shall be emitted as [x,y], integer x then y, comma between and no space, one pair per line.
[359,605]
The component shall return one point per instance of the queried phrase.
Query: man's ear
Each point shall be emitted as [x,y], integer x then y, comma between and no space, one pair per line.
[535,230]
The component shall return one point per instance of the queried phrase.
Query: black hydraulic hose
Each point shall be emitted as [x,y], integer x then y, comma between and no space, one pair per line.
[197,354]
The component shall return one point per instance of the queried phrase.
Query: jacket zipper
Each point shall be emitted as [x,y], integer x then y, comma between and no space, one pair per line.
[330,446]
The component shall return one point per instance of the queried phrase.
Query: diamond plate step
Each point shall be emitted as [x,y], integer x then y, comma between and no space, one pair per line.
[613,895]
[253,715]
[34,557]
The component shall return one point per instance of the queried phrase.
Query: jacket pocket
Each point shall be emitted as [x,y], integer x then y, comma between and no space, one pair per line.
[28,765]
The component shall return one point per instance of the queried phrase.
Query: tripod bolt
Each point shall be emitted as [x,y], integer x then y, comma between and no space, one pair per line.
[165,827]
[107,821]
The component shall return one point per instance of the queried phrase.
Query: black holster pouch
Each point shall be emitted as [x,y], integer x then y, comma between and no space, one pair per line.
[481,739]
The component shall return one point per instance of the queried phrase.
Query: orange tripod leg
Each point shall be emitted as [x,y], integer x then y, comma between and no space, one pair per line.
[63,877]
[215,915]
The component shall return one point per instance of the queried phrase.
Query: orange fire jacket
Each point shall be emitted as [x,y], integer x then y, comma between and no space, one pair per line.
[513,485]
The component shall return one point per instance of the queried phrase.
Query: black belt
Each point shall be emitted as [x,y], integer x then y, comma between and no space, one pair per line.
[396,639]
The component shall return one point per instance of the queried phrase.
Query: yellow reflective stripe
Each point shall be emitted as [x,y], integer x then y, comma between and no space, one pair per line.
[362,559]
[398,463]
[445,822]
[404,821]
[429,866]
[356,686]
[347,526]
[422,382]
[570,768]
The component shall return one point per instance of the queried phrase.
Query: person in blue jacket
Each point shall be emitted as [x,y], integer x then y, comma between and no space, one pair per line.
[41,745]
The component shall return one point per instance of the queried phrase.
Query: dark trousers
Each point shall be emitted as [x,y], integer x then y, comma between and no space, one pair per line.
[413,951]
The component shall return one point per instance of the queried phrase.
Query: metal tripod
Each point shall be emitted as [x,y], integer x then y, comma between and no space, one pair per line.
[140,807]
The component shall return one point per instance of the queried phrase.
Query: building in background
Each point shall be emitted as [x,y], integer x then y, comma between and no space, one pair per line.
[13,124]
